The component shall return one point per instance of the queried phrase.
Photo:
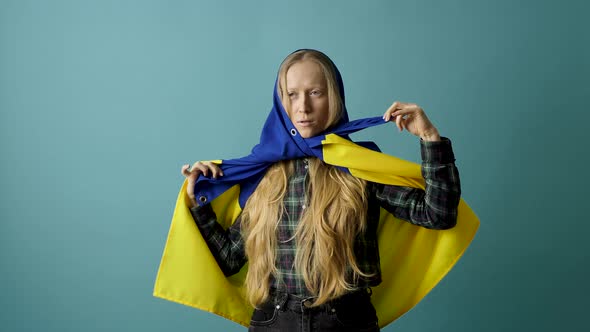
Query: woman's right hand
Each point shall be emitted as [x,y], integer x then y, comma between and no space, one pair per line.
[192,173]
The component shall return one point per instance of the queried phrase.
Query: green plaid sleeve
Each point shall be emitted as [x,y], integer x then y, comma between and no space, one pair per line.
[434,207]
[227,246]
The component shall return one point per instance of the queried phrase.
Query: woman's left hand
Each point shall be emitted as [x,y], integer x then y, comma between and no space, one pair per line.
[413,118]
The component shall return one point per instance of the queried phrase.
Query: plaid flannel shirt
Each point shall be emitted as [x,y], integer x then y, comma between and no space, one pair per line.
[434,208]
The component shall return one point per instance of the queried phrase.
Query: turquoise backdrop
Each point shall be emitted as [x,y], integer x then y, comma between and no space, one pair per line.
[101,102]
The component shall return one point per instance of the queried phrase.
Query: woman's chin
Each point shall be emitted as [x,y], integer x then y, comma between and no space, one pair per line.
[307,132]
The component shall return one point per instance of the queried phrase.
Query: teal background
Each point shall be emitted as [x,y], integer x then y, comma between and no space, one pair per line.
[101,102]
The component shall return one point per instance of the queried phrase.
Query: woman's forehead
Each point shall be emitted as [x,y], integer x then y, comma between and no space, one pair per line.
[305,74]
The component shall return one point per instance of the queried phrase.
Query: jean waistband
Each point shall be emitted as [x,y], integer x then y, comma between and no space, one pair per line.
[282,300]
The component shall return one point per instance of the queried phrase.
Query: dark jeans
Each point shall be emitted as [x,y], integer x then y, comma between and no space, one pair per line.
[285,312]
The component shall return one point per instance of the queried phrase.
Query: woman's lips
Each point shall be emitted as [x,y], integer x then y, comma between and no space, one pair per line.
[305,123]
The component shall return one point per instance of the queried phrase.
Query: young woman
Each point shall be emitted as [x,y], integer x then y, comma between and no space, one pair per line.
[309,229]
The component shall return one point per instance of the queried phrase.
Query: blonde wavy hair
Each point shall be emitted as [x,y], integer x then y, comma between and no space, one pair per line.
[325,235]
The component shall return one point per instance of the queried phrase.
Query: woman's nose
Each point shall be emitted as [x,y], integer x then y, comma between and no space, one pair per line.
[303,104]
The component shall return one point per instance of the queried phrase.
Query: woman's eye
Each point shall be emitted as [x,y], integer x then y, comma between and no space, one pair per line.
[316,93]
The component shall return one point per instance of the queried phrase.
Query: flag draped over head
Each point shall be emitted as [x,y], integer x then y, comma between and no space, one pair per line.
[413,259]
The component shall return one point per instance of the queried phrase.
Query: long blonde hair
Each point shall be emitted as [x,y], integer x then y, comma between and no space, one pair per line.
[325,234]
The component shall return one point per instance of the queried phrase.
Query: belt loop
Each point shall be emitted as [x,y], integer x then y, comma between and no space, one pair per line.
[302,303]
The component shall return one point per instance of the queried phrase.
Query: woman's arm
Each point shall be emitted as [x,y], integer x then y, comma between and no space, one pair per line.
[434,207]
[227,246]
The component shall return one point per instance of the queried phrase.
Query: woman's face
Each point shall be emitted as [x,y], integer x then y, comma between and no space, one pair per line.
[308,96]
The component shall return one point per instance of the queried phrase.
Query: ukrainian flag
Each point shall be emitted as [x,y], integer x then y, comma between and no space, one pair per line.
[413,259]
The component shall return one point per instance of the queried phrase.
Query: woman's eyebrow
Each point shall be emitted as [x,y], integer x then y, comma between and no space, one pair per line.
[306,88]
